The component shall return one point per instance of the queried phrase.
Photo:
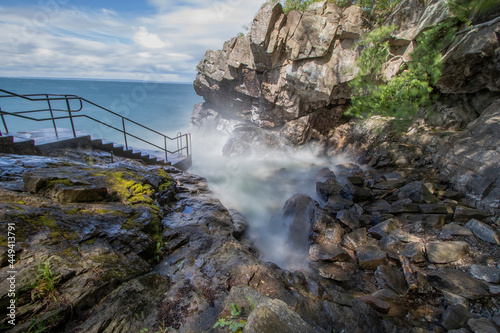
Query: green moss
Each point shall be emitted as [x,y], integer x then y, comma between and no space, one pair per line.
[112,267]
[163,174]
[130,223]
[60,235]
[103,211]
[127,187]
[73,211]
[39,220]
[141,193]
[145,189]
[3,241]
[165,186]
[69,254]
[16,207]
[65,182]
[91,241]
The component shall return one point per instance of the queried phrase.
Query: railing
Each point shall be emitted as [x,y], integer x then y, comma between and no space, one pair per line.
[183,140]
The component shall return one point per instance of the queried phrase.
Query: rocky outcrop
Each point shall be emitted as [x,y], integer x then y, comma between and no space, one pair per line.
[289,78]
[288,67]
[294,69]
[408,244]
[154,250]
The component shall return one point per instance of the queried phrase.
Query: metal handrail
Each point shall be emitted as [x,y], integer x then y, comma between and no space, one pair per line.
[67,98]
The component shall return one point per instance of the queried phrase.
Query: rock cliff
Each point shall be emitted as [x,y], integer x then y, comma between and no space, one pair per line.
[286,84]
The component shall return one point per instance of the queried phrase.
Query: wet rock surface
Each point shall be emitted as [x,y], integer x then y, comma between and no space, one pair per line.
[421,261]
[158,250]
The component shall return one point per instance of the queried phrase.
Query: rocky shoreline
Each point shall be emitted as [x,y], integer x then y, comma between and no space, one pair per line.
[404,239]
[131,247]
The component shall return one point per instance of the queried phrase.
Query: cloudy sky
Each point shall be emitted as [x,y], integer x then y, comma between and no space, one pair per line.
[116,39]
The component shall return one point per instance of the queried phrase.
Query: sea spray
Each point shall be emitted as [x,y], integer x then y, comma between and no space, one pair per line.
[258,184]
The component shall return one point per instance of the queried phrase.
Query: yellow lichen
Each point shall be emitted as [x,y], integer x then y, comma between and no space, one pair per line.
[39,220]
[65,182]
[3,241]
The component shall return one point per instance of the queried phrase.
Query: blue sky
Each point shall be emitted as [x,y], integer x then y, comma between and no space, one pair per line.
[160,40]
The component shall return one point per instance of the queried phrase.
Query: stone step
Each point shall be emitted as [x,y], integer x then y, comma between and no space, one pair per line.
[78,142]
[9,145]
[15,145]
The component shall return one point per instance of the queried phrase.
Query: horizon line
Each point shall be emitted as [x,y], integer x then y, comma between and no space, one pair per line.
[89,79]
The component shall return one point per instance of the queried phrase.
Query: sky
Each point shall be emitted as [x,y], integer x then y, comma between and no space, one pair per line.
[151,40]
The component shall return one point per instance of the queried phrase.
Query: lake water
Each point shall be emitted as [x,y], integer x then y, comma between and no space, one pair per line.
[163,107]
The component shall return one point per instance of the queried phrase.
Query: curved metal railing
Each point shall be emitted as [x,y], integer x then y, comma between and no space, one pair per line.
[183,140]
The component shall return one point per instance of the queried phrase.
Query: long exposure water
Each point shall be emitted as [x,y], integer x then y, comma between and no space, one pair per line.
[257,185]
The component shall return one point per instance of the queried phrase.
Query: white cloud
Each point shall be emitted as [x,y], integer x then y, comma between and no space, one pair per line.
[149,40]
[70,42]
[109,12]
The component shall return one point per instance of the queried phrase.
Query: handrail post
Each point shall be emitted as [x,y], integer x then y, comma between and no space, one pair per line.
[187,145]
[4,123]
[179,143]
[165,141]
[124,133]
[70,116]
[52,116]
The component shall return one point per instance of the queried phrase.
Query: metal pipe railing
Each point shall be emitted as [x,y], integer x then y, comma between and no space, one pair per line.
[67,98]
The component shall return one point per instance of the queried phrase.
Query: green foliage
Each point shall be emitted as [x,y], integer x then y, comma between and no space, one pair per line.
[300,5]
[45,284]
[229,322]
[36,327]
[405,93]
[158,251]
[465,10]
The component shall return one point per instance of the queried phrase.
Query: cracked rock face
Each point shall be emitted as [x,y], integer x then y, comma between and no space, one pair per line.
[289,77]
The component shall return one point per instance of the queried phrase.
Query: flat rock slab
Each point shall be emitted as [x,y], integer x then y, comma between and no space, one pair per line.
[455,229]
[459,283]
[391,277]
[334,271]
[482,325]
[417,192]
[382,229]
[370,257]
[377,304]
[328,252]
[445,252]
[484,231]
[464,214]
[455,317]
[274,315]
[355,238]
[485,273]
[414,252]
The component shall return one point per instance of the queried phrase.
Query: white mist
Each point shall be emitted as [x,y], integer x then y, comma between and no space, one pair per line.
[258,185]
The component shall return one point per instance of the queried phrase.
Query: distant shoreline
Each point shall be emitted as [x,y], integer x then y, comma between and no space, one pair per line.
[90,79]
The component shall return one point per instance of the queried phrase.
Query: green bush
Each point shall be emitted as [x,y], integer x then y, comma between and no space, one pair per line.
[405,93]
[465,10]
